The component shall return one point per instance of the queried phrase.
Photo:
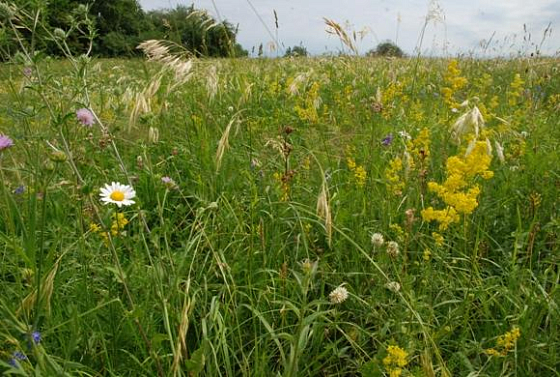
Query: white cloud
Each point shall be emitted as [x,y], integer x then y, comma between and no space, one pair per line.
[464,26]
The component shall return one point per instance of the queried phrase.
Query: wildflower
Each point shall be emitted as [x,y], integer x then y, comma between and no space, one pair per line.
[393,286]
[17,356]
[438,238]
[85,117]
[454,82]
[460,199]
[19,190]
[169,182]
[393,249]
[118,194]
[119,222]
[58,156]
[516,89]
[360,173]
[5,142]
[405,135]
[427,255]
[377,239]
[392,174]
[505,343]
[419,148]
[27,71]
[308,266]
[387,140]
[36,337]
[338,295]
[395,360]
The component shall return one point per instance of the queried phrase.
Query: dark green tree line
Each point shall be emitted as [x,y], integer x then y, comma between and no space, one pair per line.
[112,28]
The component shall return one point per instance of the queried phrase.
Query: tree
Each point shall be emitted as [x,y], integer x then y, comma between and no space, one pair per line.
[387,48]
[196,31]
[296,51]
[111,28]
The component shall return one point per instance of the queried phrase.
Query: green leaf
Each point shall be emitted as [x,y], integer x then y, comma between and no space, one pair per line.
[371,369]
[196,362]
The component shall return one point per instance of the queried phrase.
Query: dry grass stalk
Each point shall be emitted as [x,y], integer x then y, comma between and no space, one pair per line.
[324,210]
[181,344]
[223,144]
[334,28]
[47,287]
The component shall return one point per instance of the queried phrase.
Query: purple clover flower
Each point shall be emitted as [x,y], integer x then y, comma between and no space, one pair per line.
[169,182]
[19,190]
[387,140]
[5,142]
[85,117]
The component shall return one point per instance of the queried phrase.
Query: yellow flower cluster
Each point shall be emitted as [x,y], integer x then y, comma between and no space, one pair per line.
[416,112]
[454,82]
[505,343]
[395,360]
[117,226]
[419,148]
[516,89]
[393,175]
[284,182]
[438,238]
[457,192]
[308,110]
[390,94]
[360,173]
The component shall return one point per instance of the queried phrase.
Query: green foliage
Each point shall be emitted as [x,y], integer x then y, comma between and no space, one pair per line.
[226,266]
[386,49]
[296,51]
[113,28]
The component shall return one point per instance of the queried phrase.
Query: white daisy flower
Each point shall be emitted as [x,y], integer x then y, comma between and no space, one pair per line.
[118,194]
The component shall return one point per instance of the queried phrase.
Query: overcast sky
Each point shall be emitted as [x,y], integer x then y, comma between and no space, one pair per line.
[456,26]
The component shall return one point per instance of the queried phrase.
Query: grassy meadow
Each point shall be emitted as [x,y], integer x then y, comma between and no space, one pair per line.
[333,216]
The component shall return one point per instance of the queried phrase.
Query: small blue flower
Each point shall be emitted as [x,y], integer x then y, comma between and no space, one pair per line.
[18,355]
[19,190]
[387,140]
[36,336]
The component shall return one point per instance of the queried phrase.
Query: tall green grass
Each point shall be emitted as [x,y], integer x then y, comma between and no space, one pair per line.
[229,272]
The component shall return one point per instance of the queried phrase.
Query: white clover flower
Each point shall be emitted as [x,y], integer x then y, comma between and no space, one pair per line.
[118,194]
[377,239]
[393,249]
[405,135]
[338,295]
[393,286]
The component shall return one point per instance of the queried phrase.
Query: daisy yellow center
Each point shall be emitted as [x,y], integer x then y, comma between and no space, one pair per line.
[117,196]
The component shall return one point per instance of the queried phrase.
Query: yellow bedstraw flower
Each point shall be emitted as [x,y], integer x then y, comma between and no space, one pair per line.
[360,174]
[453,83]
[505,343]
[393,173]
[395,360]
[516,89]
[457,191]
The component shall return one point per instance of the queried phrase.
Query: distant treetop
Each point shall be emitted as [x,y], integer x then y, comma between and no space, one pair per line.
[387,48]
